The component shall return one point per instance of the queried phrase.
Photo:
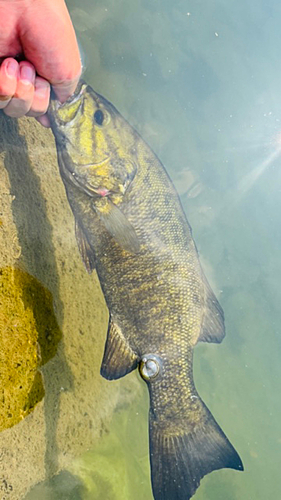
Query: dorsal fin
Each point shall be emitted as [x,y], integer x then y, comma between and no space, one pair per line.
[118,359]
[86,252]
[212,328]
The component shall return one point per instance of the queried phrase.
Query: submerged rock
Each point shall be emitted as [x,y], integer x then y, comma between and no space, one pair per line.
[29,338]
[54,404]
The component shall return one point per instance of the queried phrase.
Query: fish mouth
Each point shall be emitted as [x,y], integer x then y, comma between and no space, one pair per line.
[55,104]
[69,173]
[88,188]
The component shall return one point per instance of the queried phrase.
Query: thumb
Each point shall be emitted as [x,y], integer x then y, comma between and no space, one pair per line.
[65,89]
[54,53]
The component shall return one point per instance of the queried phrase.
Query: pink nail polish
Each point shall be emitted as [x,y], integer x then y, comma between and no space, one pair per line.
[12,68]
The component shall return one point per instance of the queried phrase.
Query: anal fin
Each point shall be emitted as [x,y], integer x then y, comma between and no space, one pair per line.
[212,329]
[86,252]
[118,359]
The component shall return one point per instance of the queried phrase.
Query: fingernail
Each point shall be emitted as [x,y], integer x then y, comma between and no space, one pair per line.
[4,98]
[27,74]
[12,68]
[42,89]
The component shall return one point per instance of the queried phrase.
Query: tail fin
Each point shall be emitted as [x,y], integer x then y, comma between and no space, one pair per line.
[183,451]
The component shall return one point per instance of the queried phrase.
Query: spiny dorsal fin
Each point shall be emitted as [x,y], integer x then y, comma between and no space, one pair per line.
[86,252]
[118,359]
[117,224]
[212,329]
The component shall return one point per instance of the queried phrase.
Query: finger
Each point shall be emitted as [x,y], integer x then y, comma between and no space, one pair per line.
[21,102]
[8,80]
[65,89]
[41,97]
[44,120]
[54,52]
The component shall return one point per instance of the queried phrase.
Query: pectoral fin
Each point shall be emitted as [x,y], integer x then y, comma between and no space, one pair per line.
[118,359]
[86,252]
[117,224]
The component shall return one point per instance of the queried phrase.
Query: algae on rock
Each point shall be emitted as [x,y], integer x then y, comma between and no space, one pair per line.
[29,337]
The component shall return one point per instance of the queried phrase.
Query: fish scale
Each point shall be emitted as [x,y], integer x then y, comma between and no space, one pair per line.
[131,228]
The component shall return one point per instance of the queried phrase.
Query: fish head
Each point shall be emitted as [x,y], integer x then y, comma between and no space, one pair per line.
[94,143]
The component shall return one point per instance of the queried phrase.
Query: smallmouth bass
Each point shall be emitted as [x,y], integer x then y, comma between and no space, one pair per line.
[131,228]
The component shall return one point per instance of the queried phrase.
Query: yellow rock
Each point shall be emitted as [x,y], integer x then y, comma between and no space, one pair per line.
[29,337]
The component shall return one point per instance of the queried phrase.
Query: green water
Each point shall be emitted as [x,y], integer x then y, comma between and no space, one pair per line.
[201,82]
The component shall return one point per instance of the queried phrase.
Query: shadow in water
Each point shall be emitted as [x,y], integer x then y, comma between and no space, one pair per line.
[38,259]
[64,486]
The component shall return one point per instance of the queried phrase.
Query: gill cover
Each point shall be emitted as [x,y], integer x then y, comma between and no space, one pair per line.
[91,159]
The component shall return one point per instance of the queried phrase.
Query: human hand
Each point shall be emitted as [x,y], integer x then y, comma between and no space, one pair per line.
[41,32]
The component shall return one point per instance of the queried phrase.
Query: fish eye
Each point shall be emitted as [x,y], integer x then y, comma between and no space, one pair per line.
[99,117]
